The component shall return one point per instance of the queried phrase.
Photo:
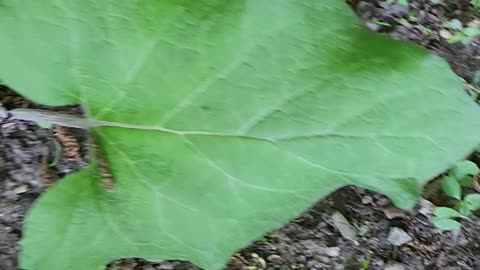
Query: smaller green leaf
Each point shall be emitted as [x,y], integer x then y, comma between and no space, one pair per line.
[446,224]
[471,32]
[445,212]
[464,209]
[451,187]
[473,201]
[464,168]
[456,37]
[454,24]
[466,181]
[404,22]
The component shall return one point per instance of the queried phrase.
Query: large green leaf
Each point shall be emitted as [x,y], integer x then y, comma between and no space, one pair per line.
[237,116]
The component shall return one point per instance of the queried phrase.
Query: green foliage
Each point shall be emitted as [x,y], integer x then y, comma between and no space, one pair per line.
[454,24]
[452,187]
[445,212]
[472,201]
[464,169]
[446,224]
[464,209]
[462,34]
[460,175]
[475,3]
[231,117]
[365,265]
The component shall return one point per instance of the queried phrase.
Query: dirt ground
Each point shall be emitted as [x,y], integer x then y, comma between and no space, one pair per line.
[351,229]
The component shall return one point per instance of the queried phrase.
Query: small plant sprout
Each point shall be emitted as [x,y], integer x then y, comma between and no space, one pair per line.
[463,174]
[462,34]
[475,4]
[454,24]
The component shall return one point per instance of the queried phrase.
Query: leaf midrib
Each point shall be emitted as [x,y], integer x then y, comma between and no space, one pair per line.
[41,116]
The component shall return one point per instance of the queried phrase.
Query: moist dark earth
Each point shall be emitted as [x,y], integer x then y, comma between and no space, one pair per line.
[351,229]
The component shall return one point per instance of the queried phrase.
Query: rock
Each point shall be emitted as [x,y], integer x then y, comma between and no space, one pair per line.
[398,10]
[332,251]
[315,264]
[365,9]
[393,212]
[344,227]
[373,26]
[367,199]
[21,189]
[259,261]
[444,33]
[311,247]
[474,24]
[301,259]
[165,266]
[398,237]
[383,202]
[323,259]
[378,263]
[363,230]
[274,259]
[426,208]
[308,253]
[3,113]
[395,266]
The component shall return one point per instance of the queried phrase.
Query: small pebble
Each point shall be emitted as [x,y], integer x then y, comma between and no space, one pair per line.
[301,259]
[474,24]
[367,199]
[259,260]
[444,33]
[395,266]
[426,208]
[344,227]
[274,258]
[393,212]
[7,125]
[308,253]
[373,26]
[383,202]
[332,251]
[398,237]
[363,230]
[21,189]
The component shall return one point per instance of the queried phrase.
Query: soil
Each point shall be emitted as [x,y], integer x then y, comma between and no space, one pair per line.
[351,229]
